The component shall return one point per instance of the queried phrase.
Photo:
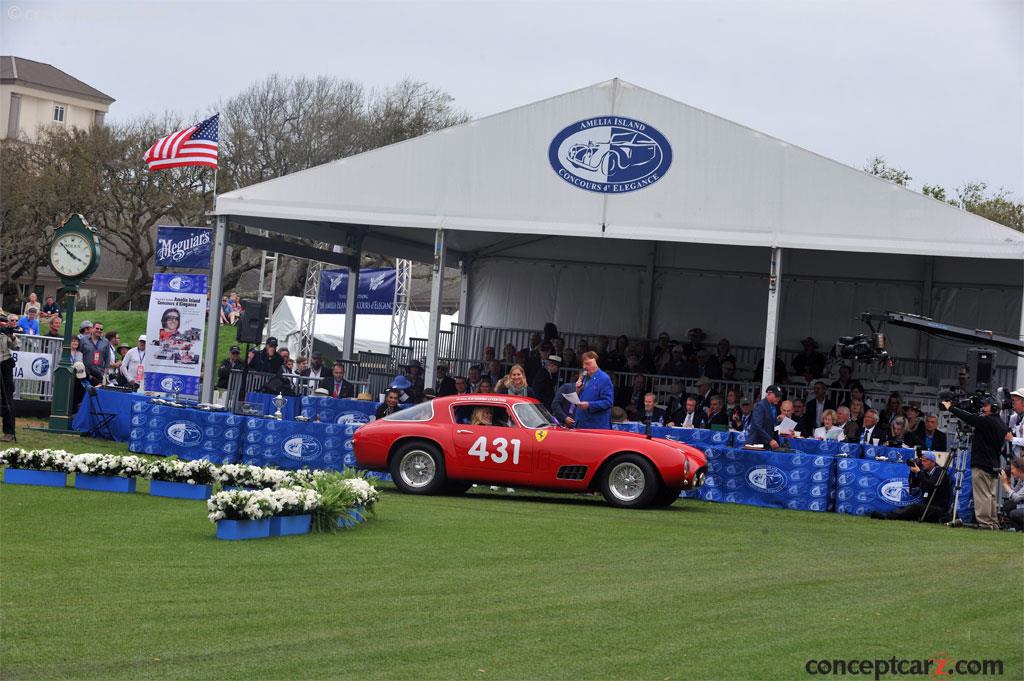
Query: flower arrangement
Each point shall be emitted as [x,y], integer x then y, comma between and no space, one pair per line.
[243,475]
[198,472]
[107,464]
[38,460]
[340,493]
[261,503]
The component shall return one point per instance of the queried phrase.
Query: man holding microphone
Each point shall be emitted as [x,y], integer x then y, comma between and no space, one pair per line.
[596,395]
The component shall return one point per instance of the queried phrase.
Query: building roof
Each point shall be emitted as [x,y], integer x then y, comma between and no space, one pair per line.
[37,74]
[727,184]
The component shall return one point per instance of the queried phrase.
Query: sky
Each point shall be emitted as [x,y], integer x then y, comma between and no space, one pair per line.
[934,86]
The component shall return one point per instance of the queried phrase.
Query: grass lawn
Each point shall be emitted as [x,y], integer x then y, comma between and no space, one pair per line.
[489,586]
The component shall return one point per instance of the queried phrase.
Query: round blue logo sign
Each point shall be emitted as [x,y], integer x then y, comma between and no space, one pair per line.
[41,366]
[610,154]
[184,433]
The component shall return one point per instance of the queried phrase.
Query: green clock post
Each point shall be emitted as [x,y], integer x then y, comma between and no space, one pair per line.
[74,256]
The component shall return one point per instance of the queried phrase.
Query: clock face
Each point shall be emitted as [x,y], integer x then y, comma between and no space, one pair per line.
[71,255]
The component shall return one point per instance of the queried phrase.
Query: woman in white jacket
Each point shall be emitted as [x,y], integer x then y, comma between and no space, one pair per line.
[828,429]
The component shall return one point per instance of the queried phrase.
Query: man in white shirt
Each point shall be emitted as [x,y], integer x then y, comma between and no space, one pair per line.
[872,431]
[1016,435]
[132,364]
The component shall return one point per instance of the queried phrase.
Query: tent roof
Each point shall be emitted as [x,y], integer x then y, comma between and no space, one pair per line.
[727,184]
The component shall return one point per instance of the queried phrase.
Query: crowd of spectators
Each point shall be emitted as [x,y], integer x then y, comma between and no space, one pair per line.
[230,309]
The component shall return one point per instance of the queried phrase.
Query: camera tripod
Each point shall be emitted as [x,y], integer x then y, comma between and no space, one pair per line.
[958,460]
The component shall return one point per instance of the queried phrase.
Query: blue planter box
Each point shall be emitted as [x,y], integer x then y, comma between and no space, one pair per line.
[243,529]
[29,476]
[105,483]
[178,490]
[352,517]
[283,525]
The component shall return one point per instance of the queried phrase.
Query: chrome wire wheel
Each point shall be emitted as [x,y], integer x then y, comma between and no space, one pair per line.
[627,481]
[417,469]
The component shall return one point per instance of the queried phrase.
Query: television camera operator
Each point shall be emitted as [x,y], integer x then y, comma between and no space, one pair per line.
[986,448]
[8,343]
[928,477]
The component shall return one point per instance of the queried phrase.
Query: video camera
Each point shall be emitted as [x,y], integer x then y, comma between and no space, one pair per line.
[11,330]
[973,402]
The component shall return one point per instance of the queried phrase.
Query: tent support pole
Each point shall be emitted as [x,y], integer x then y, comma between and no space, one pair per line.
[465,265]
[351,298]
[1020,358]
[923,346]
[220,246]
[771,330]
[647,313]
[436,293]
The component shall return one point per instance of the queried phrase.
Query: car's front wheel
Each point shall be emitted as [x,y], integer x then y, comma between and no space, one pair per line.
[630,481]
[418,468]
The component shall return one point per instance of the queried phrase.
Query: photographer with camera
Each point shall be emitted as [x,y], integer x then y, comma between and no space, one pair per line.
[928,477]
[1013,504]
[986,448]
[8,343]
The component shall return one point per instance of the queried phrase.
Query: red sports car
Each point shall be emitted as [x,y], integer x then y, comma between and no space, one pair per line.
[449,443]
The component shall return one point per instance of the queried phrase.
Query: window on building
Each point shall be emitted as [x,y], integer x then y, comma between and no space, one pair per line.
[58,113]
[86,299]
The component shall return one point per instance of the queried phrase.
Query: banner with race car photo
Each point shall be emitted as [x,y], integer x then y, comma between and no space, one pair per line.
[32,366]
[184,247]
[174,333]
[376,294]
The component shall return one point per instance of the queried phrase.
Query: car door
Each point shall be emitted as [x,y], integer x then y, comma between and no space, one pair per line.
[502,452]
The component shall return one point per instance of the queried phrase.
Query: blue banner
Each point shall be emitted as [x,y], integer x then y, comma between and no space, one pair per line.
[696,437]
[186,433]
[891,454]
[376,294]
[864,486]
[801,482]
[174,333]
[186,247]
[293,445]
[332,410]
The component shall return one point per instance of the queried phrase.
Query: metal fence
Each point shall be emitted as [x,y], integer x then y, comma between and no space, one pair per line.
[25,389]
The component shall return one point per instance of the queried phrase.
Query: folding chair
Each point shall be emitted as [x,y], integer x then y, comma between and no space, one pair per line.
[99,419]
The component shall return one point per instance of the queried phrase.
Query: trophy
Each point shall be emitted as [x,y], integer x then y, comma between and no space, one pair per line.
[279,402]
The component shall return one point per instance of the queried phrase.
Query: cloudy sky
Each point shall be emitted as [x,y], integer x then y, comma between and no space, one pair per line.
[936,86]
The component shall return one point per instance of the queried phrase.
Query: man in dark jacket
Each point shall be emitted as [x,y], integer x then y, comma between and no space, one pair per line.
[233,361]
[651,413]
[267,360]
[445,383]
[761,430]
[337,386]
[986,448]
[716,415]
[544,381]
[562,409]
[930,438]
[933,484]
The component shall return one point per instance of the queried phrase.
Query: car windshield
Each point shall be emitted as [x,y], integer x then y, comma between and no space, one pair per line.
[424,411]
[533,415]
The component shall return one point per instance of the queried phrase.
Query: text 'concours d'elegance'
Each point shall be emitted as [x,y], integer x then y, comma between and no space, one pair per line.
[411,340]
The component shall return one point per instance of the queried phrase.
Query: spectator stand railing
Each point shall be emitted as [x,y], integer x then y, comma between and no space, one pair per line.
[418,348]
[38,390]
[301,385]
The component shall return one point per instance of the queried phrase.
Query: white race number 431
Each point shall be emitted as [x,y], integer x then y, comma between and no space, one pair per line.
[479,449]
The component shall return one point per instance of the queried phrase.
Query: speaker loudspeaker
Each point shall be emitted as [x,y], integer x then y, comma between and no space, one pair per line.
[250,324]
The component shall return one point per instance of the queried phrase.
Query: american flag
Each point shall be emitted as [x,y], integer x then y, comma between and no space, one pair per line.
[194,146]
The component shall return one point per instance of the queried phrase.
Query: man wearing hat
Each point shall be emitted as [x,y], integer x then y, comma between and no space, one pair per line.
[761,430]
[414,372]
[810,358]
[84,329]
[545,380]
[445,383]
[990,433]
[232,362]
[740,418]
[703,394]
[80,386]
[268,360]
[933,484]
[1016,434]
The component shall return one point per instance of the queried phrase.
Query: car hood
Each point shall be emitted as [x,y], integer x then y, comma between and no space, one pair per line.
[690,451]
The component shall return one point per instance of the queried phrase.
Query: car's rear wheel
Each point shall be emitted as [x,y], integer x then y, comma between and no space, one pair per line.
[418,468]
[666,496]
[630,481]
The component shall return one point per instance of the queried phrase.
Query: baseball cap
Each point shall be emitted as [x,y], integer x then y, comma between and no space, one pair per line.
[1019,392]
[235,348]
[85,325]
[555,359]
[79,370]
[775,390]
[272,341]
[745,400]
[930,456]
[142,338]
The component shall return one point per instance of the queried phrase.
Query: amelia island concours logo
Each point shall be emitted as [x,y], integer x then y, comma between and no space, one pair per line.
[610,154]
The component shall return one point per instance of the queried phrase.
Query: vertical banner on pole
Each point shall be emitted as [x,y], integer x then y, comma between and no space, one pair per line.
[174,333]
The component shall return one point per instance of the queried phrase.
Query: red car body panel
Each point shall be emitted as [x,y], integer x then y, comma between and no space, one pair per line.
[518,456]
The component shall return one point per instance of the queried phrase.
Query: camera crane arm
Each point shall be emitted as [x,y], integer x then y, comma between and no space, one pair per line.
[934,328]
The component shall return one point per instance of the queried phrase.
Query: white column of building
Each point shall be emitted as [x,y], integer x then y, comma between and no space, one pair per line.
[465,265]
[220,247]
[771,330]
[436,293]
[351,300]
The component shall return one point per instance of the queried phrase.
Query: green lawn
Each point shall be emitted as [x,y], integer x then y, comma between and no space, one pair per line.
[489,586]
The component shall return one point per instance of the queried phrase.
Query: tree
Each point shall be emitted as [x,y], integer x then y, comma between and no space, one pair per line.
[878,167]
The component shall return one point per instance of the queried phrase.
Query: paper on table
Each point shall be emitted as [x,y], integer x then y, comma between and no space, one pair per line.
[572,397]
[788,425]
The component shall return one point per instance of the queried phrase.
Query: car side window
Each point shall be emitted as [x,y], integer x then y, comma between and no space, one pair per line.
[480,414]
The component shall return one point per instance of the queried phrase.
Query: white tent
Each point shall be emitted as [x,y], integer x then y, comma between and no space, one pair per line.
[373,332]
[707,237]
